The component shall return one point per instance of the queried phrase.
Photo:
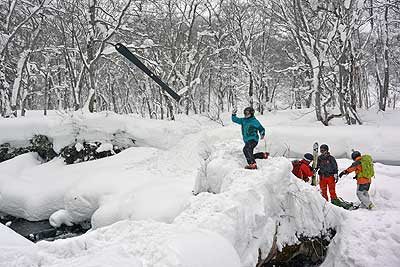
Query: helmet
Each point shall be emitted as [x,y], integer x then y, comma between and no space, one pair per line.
[249,110]
[355,155]
[324,147]
[308,156]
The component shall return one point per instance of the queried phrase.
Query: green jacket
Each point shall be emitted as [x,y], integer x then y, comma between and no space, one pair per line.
[250,127]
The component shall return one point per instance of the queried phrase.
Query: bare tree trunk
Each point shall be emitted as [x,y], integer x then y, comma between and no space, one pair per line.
[45,95]
[365,87]
[386,61]
[318,105]
[187,105]
[113,96]
[251,90]
[149,107]
[23,110]
[377,75]
[90,52]
[160,92]
[70,68]
[170,107]
[209,91]
[351,76]
[267,98]
[17,82]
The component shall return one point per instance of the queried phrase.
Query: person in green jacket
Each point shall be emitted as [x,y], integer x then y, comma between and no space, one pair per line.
[251,127]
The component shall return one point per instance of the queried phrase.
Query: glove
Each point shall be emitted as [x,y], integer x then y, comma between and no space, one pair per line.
[234,111]
[343,173]
[336,177]
[312,169]
[262,136]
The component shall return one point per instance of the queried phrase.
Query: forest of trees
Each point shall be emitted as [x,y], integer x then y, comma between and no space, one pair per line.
[335,56]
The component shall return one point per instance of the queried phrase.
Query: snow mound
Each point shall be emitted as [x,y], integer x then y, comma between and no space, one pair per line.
[141,243]
[11,238]
[15,249]
[369,237]
[102,189]
[251,207]
[67,128]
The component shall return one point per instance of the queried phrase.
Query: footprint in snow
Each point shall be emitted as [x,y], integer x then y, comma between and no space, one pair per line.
[395,237]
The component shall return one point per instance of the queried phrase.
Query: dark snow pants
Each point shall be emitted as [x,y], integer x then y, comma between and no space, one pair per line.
[248,151]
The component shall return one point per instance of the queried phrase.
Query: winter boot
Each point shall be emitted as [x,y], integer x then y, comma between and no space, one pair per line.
[371,206]
[336,202]
[251,166]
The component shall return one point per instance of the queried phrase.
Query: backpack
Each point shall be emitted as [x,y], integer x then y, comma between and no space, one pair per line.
[367,166]
[296,168]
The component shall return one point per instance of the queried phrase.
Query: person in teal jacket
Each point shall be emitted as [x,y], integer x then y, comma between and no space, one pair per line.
[250,129]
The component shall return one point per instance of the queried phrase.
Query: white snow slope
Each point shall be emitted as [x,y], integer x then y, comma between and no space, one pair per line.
[144,214]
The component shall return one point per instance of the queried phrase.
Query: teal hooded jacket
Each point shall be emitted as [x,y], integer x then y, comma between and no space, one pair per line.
[250,127]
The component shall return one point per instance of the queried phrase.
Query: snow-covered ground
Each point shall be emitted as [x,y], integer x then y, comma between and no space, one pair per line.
[141,205]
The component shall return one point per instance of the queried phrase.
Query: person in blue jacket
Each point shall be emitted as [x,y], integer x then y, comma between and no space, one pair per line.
[250,129]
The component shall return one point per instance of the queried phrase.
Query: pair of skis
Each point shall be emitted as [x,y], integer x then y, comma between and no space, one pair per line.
[314,164]
[123,50]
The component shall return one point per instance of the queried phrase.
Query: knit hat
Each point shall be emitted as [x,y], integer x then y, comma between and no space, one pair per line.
[308,156]
[249,110]
[324,146]
[355,154]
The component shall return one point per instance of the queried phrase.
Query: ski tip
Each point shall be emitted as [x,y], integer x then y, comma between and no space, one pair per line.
[118,46]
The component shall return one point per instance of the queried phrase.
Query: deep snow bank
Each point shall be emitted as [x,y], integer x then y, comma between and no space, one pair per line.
[34,191]
[251,204]
[245,213]
[66,128]
[124,244]
[15,250]
[250,209]
[369,238]
[123,186]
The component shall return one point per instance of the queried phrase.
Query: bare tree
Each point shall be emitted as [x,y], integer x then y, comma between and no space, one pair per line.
[17,16]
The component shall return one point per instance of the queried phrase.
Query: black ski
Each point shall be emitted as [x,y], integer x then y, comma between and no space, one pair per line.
[132,58]
[345,204]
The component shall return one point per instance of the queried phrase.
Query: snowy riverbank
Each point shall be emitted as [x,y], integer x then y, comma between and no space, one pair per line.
[143,195]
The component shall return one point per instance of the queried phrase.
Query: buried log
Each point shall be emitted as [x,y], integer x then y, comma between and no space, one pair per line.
[42,230]
[310,251]
[40,144]
[78,151]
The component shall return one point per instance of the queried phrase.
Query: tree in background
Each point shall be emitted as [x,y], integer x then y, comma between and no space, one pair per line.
[334,57]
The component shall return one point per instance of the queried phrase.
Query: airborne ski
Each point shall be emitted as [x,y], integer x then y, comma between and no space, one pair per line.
[314,164]
[132,58]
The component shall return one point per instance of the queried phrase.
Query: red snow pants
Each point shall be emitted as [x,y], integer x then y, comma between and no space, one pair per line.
[325,183]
